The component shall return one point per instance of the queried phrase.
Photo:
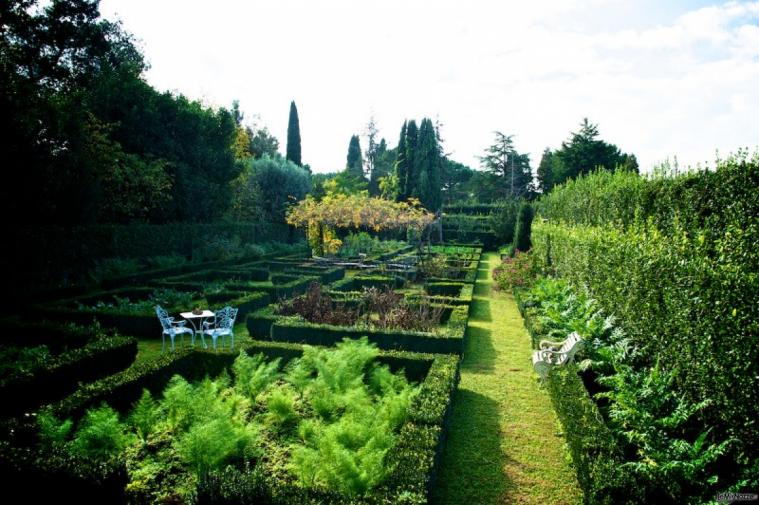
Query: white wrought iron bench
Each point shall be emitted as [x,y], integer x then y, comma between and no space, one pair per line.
[551,354]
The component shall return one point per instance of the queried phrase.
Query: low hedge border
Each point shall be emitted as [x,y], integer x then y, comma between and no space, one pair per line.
[414,458]
[595,455]
[265,324]
[258,273]
[326,275]
[142,324]
[103,356]
[293,286]
[358,282]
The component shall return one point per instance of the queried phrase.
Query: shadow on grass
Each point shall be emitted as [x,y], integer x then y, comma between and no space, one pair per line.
[479,352]
[471,469]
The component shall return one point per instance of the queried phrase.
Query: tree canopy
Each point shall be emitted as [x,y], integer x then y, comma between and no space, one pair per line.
[582,153]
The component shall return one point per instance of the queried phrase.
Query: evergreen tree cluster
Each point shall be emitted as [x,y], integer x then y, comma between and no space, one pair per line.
[581,154]
[419,163]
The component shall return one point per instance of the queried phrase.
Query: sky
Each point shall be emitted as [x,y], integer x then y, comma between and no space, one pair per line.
[661,79]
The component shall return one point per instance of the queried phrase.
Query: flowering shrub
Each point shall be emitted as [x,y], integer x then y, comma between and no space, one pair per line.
[518,271]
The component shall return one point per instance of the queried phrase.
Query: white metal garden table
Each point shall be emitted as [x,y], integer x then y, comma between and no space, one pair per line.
[192,317]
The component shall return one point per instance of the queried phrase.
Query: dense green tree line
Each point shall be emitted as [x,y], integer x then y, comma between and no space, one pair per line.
[86,139]
[580,155]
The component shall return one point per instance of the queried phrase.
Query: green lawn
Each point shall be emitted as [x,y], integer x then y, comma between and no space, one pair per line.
[504,443]
[148,349]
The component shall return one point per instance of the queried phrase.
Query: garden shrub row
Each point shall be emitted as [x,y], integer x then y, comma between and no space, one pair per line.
[143,322]
[52,255]
[61,375]
[266,324]
[674,260]
[413,458]
[361,281]
[290,285]
[690,305]
[140,322]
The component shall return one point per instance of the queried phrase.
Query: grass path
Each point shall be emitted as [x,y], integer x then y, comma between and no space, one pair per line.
[503,444]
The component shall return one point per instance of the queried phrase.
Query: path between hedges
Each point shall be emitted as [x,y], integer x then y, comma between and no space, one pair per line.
[504,444]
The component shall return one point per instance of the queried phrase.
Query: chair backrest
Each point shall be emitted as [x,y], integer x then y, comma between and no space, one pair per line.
[225,318]
[571,345]
[163,316]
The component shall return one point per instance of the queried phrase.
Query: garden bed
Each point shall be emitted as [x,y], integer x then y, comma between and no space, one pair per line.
[408,469]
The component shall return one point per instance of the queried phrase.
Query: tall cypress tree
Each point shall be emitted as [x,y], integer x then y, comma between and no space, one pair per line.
[428,162]
[293,136]
[401,165]
[355,161]
[412,178]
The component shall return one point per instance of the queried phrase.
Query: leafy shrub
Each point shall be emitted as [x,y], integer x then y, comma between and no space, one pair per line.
[503,220]
[516,272]
[165,297]
[663,453]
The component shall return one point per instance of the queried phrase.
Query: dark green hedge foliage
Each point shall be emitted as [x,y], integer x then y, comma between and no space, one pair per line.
[47,256]
[104,355]
[522,230]
[592,446]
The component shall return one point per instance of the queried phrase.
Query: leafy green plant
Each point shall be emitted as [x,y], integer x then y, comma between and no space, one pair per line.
[253,373]
[145,415]
[100,435]
[53,431]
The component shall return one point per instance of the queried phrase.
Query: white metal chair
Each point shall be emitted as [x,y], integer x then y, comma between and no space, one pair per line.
[551,354]
[171,328]
[223,325]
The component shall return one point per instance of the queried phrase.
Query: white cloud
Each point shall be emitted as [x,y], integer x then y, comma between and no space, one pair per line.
[685,84]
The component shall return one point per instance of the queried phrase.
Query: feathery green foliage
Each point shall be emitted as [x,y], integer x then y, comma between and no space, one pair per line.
[100,435]
[329,420]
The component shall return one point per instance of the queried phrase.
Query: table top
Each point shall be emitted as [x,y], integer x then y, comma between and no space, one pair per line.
[190,315]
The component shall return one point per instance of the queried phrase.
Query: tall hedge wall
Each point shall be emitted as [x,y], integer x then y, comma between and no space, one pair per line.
[680,271]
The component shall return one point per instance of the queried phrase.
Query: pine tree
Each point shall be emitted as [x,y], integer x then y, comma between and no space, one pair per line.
[411,188]
[545,171]
[355,162]
[293,136]
[512,169]
[401,165]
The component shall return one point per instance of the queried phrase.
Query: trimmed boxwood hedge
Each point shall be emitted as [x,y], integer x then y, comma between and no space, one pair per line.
[265,324]
[414,458]
[289,286]
[104,355]
[358,282]
[143,325]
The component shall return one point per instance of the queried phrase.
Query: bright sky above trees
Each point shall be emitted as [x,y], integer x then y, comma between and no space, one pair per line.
[660,78]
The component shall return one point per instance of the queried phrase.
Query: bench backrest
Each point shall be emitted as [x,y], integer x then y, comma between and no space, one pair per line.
[570,346]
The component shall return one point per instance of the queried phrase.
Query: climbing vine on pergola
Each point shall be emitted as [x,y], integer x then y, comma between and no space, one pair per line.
[322,217]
